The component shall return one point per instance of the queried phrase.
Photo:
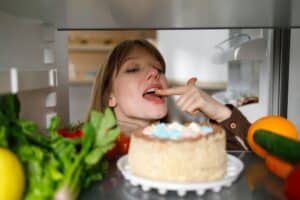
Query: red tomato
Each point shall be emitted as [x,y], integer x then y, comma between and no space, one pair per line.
[292,183]
[112,154]
[123,143]
[121,147]
[70,134]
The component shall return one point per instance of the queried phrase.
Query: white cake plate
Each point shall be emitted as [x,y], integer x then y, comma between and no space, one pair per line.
[234,168]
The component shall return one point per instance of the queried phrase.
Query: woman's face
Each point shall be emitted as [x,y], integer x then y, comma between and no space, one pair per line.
[140,73]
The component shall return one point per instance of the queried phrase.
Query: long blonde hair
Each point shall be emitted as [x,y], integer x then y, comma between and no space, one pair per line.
[104,78]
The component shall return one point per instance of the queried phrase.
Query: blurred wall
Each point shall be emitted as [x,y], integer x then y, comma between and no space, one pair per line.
[189,53]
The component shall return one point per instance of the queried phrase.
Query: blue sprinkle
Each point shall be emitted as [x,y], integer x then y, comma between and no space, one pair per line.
[161,134]
[160,131]
[160,127]
[206,129]
[174,134]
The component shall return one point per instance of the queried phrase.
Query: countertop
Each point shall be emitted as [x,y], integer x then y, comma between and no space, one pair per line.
[255,182]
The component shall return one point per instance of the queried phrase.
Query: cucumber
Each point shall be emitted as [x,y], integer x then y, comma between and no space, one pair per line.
[277,145]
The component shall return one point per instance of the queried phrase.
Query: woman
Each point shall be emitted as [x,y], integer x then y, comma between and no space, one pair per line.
[134,85]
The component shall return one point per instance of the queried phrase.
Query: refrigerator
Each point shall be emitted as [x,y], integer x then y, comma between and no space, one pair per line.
[251,46]
[33,47]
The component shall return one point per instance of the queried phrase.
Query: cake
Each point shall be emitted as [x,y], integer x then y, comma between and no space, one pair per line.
[179,153]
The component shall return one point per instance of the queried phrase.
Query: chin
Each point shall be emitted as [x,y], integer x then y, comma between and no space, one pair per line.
[157,114]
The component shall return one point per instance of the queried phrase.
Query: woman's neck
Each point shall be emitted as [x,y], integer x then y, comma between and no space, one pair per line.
[128,126]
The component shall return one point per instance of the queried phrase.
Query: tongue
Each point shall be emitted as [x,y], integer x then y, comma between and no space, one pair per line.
[154,98]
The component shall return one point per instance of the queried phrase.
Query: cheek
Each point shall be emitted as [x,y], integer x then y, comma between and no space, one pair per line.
[125,92]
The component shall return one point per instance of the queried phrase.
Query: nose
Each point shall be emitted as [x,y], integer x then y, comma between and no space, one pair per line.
[153,73]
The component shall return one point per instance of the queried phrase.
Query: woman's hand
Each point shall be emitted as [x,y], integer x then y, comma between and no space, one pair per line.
[193,100]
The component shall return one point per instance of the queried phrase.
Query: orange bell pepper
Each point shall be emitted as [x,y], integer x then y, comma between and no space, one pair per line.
[278,166]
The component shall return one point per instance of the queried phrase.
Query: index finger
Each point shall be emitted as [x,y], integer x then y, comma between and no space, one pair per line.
[171,91]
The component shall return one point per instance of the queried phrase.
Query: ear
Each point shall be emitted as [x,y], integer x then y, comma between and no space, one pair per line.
[112,102]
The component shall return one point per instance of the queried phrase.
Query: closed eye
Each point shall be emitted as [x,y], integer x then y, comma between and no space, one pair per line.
[159,70]
[132,70]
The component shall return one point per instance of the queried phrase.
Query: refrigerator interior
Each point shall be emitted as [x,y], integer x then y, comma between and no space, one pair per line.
[34,42]
[33,60]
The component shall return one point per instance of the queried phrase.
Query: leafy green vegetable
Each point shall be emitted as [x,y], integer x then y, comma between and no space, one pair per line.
[3,137]
[55,165]
[10,106]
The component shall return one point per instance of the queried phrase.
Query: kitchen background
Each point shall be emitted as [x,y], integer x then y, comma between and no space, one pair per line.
[32,49]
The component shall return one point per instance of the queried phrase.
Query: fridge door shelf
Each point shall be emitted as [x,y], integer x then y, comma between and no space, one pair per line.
[13,80]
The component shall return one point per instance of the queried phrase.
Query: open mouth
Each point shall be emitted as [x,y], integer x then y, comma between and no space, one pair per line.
[150,95]
[150,91]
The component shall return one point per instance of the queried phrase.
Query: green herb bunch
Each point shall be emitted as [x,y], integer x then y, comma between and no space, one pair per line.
[57,167]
